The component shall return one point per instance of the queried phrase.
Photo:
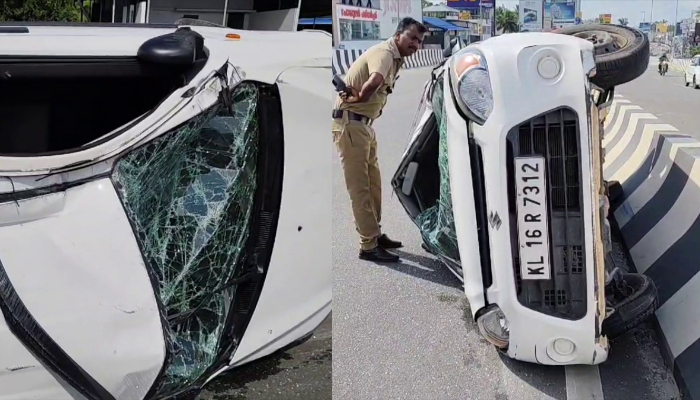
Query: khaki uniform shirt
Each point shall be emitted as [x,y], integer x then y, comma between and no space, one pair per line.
[382,58]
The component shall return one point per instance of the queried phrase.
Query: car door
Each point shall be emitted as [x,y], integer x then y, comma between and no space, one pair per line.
[403,181]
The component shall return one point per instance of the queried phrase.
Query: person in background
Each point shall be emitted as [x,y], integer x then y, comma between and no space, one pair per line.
[662,59]
[370,80]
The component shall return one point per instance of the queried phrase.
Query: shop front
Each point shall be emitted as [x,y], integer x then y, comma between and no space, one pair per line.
[441,32]
[364,23]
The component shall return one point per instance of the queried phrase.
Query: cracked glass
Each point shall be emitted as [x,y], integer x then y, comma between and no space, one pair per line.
[189,195]
[436,223]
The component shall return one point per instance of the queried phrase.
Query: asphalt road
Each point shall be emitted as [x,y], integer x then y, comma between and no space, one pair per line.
[667,98]
[303,372]
[405,331]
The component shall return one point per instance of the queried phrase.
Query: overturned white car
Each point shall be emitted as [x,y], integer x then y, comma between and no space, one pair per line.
[160,219]
[503,177]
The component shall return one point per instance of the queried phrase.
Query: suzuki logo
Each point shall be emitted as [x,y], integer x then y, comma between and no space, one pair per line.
[494,220]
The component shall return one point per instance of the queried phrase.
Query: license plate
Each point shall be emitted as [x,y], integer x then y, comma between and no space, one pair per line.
[533,229]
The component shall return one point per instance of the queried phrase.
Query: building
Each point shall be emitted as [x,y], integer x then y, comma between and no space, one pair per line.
[237,14]
[441,32]
[481,12]
[360,24]
[441,11]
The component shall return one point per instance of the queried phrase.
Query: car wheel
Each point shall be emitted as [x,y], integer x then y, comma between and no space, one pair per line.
[621,52]
[633,303]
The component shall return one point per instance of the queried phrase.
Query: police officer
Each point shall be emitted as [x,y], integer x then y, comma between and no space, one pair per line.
[370,79]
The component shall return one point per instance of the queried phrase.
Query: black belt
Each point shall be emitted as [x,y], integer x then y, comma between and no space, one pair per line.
[351,115]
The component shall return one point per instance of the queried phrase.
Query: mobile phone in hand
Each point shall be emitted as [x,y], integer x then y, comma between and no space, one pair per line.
[340,85]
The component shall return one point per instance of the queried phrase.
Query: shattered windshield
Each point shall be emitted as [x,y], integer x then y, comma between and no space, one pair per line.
[189,196]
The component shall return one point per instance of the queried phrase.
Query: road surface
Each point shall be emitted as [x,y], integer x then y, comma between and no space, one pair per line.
[303,372]
[405,331]
[666,97]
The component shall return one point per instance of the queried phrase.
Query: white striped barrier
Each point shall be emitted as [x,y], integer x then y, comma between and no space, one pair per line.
[658,215]
[343,59]
[680,64]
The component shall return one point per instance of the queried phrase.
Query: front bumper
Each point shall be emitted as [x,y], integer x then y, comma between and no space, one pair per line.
[570,306]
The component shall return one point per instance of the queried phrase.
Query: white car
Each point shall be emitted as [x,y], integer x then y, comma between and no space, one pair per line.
[503,177]
[160,218]
[692,73]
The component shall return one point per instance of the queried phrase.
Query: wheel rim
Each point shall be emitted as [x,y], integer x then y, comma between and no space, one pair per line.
[603,42]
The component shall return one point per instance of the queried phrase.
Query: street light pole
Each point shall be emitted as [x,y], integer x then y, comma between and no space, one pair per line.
[673,36]
[225,12]
[651,13]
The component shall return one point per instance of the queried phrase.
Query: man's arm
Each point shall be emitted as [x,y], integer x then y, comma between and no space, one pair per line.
[370,87]
[379,67]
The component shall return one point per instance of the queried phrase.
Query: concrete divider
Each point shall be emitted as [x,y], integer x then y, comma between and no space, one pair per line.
[343,59]
[659,219]
[680,64]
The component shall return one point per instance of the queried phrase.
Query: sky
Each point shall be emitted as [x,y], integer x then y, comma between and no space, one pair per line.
[630,9]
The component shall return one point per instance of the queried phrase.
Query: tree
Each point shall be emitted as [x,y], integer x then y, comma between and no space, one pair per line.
[39,10]
[506,20]
[426,3]
[623,21]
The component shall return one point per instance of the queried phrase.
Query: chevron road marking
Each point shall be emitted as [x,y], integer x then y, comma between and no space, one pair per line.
[636,160]
[615,152]
[672,227]
[613,108]
[656,178]
[618,122]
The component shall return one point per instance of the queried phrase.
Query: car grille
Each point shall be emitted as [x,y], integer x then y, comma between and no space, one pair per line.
[554,136]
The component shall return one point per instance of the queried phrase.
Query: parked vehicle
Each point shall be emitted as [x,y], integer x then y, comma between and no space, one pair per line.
[159,214]
[503,177]
[692,73]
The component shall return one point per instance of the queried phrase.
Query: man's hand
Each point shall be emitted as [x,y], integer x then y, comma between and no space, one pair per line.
[368,89]
[353,97]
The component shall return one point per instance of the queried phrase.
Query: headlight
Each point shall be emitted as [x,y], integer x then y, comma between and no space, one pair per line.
[471,84]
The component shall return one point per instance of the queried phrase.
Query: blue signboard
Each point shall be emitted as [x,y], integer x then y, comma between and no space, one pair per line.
[470,4]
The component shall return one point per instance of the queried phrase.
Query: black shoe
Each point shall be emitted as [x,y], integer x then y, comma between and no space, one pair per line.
[378,254]
[387,243]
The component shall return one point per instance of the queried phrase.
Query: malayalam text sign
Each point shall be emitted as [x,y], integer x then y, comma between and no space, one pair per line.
[357,13]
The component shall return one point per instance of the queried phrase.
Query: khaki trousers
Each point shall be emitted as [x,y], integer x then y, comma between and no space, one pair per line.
[356,144]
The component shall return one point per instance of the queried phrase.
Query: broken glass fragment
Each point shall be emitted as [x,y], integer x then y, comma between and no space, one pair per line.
[436,223]
[189,195]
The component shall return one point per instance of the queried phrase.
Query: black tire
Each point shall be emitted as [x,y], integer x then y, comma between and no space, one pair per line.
[634,309]
[621,52]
